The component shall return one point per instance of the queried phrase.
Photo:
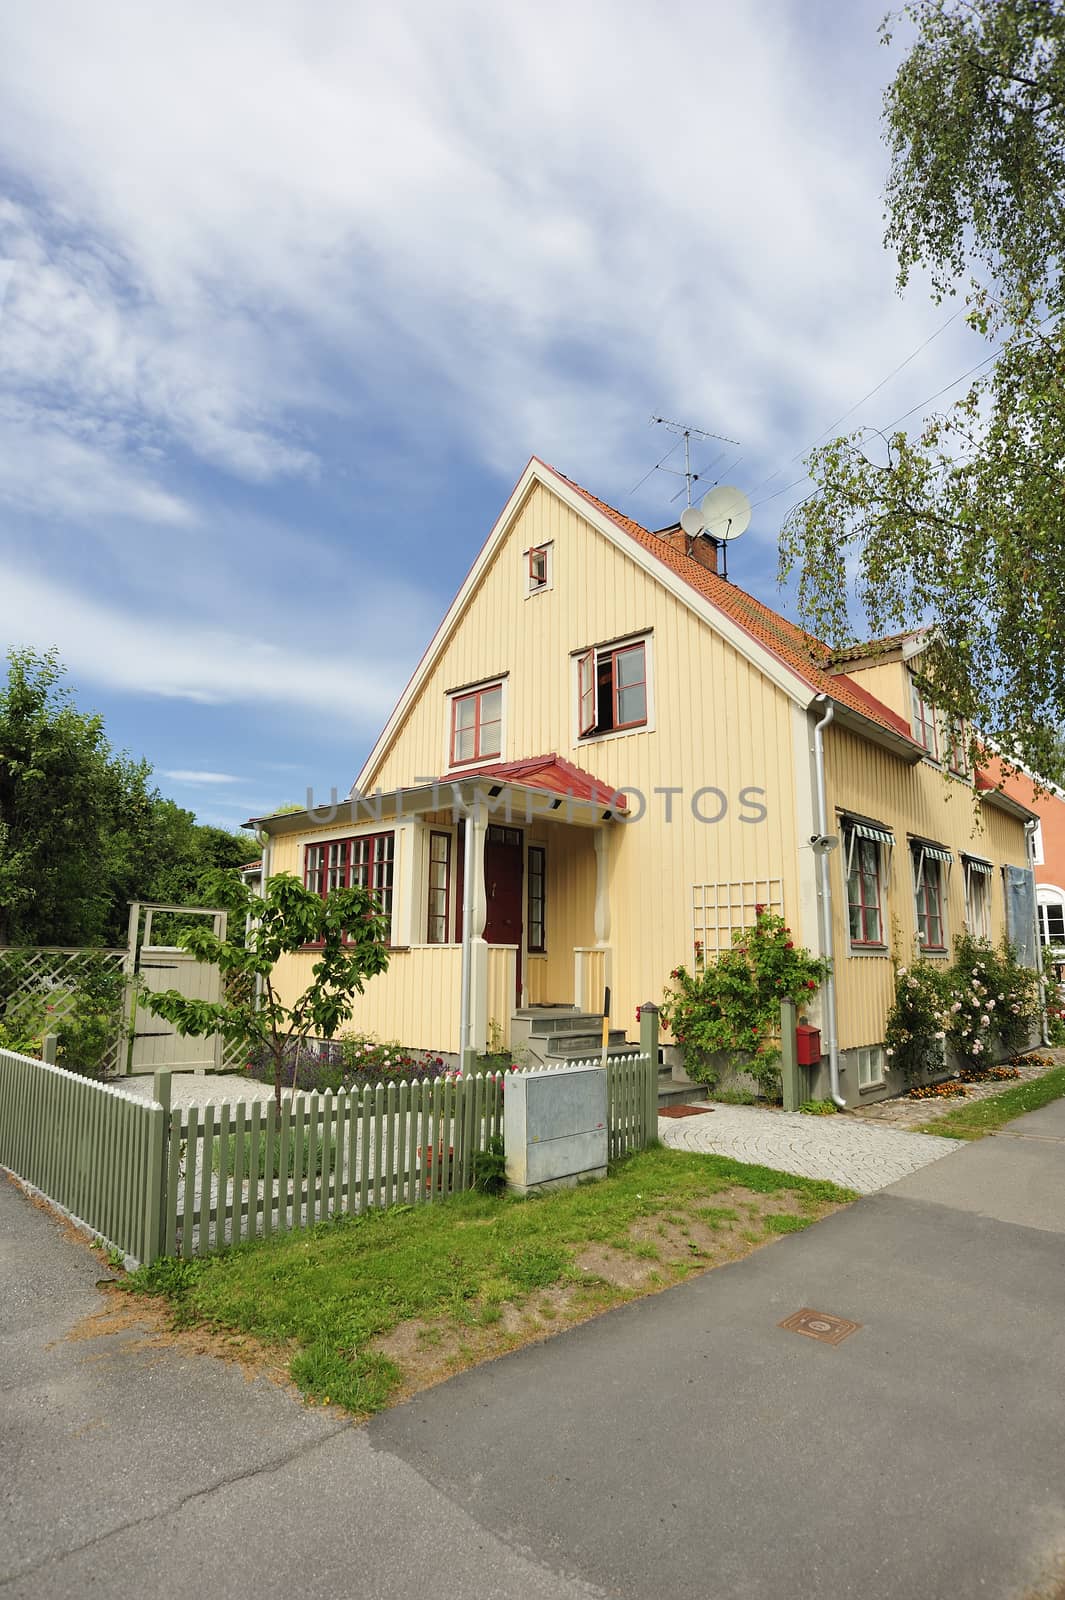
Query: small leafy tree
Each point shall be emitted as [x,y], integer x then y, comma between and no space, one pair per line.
[732,1005]
[347,932]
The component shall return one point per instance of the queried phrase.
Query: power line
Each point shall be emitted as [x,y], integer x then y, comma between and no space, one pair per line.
[858,403]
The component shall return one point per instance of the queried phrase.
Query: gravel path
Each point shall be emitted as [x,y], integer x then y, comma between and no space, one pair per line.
[857,1155]
[201,1088]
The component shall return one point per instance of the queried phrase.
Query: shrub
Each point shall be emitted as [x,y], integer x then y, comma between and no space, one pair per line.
[490,1167]
[991,1000]
[915,1031]
[354,1061]
[732,1006]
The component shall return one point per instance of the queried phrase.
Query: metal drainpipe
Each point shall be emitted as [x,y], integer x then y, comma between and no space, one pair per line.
[826,904]
[467,920]
[1044,1027]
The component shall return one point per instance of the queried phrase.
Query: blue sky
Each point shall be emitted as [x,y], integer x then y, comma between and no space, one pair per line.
[291,294]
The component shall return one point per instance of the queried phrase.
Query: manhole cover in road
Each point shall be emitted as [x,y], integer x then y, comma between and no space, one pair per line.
[820,1325]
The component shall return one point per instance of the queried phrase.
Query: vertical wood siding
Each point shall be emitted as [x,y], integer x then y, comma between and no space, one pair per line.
[917,800]
[717,722]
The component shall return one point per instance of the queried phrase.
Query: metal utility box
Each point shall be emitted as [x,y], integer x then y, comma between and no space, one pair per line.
[554,1127]
[807,1045]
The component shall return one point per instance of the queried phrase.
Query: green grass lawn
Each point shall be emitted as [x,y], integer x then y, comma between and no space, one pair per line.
[365,1306]
[972,1121]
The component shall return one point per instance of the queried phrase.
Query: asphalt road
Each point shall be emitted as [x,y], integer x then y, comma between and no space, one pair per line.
[684,1445]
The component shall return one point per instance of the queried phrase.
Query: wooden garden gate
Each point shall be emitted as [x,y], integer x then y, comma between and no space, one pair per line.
[156,1043]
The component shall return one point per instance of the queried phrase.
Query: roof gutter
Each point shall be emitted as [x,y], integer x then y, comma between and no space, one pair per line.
[820,845]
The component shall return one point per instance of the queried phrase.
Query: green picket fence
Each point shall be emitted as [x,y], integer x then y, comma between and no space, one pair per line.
[240,1171]
[94,1150]
[155,1180]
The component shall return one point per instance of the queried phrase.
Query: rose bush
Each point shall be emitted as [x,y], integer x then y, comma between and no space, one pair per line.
[732,1006]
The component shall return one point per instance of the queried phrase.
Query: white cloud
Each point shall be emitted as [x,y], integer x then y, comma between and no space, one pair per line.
[190,775]
[521,229]
[177,657]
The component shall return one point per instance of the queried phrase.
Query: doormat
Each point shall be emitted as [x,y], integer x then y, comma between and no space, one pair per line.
[683,1111]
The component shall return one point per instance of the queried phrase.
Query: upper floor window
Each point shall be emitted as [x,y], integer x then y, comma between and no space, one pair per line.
[612,689]
[924,723]
[539,571]
[477,724]
[958,757]
[367,861]
[929,891]
[865,845]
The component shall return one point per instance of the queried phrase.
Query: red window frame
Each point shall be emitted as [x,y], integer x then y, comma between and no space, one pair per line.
[480,724]
[438,909]
[930,907]
[368,860]
[924,723]
[538,568]
[867,908]
[597,677]
[537,896]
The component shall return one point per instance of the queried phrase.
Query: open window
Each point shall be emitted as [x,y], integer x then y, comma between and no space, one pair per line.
[958,752]
[539,575]
[612,689]
[868,848]
[931,862]
[925,730]
[978,878]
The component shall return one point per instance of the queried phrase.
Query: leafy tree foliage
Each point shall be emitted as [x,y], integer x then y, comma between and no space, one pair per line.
[963,524]
[350,937]
[82,829]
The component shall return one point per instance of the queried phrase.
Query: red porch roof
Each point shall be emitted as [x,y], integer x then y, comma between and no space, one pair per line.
[552,773]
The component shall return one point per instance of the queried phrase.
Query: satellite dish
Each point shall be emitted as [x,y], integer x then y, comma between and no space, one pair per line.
[725,512]
[691,520]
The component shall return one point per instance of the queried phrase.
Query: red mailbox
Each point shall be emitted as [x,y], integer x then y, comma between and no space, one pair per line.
[807,1045]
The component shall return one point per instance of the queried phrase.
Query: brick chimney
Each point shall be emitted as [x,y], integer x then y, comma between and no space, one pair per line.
[701,548]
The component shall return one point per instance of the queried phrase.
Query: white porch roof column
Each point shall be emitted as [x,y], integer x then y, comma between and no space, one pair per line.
[474,948]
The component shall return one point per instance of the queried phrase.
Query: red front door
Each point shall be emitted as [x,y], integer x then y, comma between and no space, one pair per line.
[503,877]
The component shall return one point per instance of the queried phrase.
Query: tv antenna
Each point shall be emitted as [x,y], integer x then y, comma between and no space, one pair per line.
[722,514]
[687,434]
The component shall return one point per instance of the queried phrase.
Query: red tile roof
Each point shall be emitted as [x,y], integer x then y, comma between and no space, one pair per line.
[806,656]
[552,773]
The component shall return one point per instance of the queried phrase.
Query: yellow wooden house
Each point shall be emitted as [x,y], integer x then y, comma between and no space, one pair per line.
[608,755]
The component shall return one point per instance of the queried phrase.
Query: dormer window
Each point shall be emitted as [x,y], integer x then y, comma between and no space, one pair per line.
[959,747]
[477,724]
[538,571]
[924,723]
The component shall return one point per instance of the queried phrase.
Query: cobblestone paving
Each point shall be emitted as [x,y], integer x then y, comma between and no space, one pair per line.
[858,1155]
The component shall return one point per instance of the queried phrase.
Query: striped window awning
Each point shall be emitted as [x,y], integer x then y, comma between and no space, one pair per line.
[930,852]
[978,864]
[869,830]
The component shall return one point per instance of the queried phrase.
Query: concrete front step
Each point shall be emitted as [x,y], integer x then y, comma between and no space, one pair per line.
[680,1094]
[581,1043]
[542,1023]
